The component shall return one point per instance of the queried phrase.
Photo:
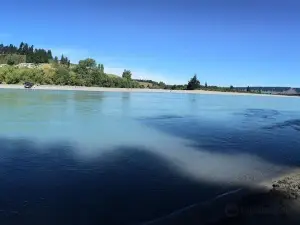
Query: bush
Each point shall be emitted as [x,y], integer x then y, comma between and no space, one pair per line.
[62,76]
[13,77]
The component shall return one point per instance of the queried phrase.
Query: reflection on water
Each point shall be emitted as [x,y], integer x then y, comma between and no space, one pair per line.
[124,158]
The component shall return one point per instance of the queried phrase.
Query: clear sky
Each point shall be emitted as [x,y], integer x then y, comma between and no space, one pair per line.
[238,42]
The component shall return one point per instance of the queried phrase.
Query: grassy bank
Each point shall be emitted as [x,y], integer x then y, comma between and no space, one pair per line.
[86,73]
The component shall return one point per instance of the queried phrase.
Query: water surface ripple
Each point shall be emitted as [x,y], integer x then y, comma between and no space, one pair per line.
[90,158]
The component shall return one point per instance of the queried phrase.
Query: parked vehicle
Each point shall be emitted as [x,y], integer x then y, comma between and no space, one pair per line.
[28,85]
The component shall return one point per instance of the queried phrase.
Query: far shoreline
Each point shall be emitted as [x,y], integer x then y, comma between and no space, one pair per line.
[107,89]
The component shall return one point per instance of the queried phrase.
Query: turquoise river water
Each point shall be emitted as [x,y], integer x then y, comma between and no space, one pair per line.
[72,157]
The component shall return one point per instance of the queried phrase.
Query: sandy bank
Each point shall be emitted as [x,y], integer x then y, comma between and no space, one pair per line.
[103,89]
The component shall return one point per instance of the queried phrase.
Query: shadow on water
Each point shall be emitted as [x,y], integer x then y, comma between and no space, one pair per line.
[277,143]
[294,124]
[51,184]
[260,113]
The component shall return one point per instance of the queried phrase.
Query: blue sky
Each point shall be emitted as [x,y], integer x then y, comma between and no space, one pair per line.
[238,42]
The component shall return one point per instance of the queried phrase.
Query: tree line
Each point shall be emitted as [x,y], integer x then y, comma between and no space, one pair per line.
[86,73]
[10,54]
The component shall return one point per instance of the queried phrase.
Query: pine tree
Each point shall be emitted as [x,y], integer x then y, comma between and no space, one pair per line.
[62,59]
[30,54]
[21,47]
[55,60]
[1,48]
[194,83]
[25,49]
[49,54]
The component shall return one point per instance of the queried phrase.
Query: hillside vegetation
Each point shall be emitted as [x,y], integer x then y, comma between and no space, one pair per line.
[25,53]
[37,65]
[86,73]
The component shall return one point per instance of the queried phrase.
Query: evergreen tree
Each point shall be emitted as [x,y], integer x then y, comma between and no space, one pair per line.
[21,47]
[25,49]
[194,83]
[1,48]
[55,60]
[49,54]
[62,60]
[29,54]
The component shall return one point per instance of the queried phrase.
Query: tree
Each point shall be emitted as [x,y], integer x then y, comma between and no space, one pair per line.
[205,84]
[61,76]
[84,69]
[21,47]
[62,60]
[100,67]
[162,85]
[55,60]
[194,83]
[231,87]
[87,63]
[248,89]
[127,74]
[10,62]
[49,54]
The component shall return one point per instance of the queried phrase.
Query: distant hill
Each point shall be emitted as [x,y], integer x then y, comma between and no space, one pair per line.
[268,89]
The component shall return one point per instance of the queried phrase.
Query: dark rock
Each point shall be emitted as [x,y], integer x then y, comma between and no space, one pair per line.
[293,195]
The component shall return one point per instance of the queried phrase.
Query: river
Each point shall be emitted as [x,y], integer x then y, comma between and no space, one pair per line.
[77,157]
